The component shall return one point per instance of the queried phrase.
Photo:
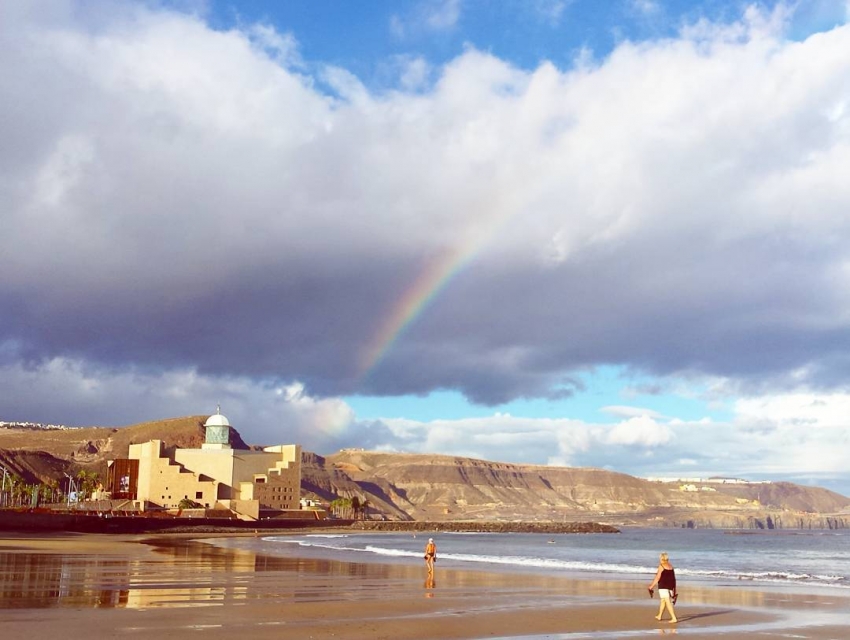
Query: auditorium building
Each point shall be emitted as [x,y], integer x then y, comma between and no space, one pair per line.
[250,484]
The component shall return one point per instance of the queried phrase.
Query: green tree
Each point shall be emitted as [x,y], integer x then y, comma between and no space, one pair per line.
[87,482]
[341,507]
[46,493]
[14,490]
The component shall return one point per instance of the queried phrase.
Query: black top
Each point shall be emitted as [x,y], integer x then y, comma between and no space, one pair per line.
[667,579]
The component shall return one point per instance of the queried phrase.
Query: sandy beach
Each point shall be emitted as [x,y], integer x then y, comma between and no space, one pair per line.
[176,586]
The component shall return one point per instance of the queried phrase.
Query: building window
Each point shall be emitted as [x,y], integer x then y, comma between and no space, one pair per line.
[199,495]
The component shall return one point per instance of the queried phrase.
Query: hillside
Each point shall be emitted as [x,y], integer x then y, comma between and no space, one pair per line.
[450,488]
[401,486]
[39,455]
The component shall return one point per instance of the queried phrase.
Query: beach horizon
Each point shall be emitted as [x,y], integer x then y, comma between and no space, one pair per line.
[173,585]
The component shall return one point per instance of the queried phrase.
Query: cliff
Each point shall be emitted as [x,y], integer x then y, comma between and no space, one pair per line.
[449,488]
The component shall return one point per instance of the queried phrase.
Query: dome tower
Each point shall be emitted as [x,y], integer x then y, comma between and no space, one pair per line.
[217,432]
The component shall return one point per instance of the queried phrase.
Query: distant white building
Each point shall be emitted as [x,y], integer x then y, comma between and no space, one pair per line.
[712,480]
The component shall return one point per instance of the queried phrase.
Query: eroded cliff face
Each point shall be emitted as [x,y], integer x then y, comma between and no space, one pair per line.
[452,488]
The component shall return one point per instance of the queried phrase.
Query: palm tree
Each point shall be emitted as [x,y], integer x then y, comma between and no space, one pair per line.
[341,507]
[88,482]
[45,492]
[82,482]
[15,490]
[355,505]
[53,484]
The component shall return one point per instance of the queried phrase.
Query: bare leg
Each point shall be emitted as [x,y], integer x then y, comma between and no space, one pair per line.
[660,609]
[673,618]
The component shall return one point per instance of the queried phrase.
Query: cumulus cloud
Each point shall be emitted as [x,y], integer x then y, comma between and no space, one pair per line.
[184,201]
[796,437]
[179,196]
[263,412]
[800,437]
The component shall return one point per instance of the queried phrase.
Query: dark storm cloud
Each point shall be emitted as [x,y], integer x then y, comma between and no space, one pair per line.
[178,198]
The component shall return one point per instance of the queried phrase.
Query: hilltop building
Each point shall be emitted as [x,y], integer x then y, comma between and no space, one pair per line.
[250,484]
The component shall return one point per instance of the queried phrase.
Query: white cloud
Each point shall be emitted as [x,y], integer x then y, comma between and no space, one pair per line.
[630,412]
[397,27]
[64,169]
[283,47]
[646,7]
[442,14]
[801,437]
[427,17]
[798,437]
[551,11]
[415,73]
[641,430]
[264,413]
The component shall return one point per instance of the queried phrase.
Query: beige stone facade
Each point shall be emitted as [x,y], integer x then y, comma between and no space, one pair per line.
[217,476]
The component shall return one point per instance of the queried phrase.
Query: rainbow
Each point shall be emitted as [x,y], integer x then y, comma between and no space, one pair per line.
[436,275]
[432,280]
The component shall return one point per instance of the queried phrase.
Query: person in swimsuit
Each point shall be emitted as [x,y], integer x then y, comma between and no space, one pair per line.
[665,578]
[430,554]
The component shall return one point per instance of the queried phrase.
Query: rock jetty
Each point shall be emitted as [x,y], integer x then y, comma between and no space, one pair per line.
[487,527]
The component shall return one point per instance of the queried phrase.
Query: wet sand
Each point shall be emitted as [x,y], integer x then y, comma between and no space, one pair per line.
[81,585]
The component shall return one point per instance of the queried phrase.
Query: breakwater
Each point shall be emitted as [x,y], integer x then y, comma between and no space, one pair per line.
[487,527]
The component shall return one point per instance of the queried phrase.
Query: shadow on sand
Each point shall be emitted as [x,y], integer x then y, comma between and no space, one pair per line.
[707,614]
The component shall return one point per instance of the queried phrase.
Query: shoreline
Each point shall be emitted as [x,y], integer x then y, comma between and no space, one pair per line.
[170,584]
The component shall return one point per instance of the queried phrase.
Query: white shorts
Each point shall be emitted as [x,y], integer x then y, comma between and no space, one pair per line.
[665,594]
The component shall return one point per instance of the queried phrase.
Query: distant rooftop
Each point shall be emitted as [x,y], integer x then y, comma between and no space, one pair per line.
[30,425]
[710,480]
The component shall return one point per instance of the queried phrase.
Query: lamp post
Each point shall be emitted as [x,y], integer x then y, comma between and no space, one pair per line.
[70,490]
[3,490]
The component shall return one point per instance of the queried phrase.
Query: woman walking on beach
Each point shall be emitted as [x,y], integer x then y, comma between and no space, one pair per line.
[430,555]
[665,578]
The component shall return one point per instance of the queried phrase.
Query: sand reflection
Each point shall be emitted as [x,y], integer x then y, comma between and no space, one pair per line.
[180,574]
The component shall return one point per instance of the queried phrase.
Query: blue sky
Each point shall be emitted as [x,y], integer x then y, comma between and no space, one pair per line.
[606,234]
[601,392]
[362,38]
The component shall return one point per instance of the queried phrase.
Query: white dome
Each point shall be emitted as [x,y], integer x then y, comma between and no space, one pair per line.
[217,420]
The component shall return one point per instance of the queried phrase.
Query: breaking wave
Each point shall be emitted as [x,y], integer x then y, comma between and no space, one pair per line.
[333,543]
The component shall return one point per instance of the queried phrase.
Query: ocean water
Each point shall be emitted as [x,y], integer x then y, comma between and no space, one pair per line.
[795,560]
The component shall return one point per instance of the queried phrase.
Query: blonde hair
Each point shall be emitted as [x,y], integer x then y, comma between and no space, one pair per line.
[665,557]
